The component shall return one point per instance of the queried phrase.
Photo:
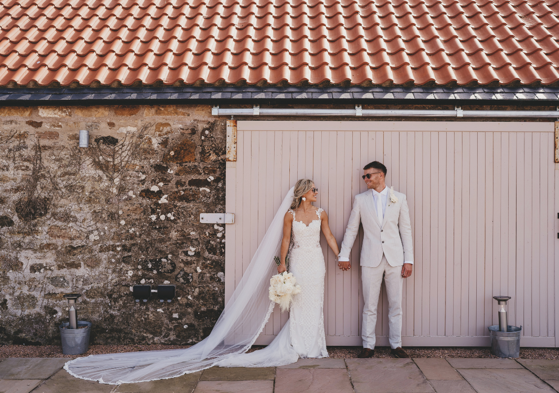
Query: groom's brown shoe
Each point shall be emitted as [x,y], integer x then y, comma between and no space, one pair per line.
[400,353]
[366,353]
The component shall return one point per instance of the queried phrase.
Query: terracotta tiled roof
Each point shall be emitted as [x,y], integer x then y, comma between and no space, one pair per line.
[277,41]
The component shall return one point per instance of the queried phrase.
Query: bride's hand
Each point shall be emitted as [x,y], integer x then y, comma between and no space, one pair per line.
[281,268]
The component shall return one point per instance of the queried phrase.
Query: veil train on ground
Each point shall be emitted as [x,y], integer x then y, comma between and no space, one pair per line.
[237,328]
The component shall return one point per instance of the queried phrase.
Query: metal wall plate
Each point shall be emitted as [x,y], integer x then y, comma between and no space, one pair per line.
[217,218]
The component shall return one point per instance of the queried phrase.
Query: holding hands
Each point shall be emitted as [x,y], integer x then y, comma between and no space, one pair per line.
[345,266]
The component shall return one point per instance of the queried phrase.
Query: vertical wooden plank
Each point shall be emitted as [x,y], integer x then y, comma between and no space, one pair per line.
[521,278]
[329,148]
[434,197]
[338,209]
[442,201]
[468,252]
[490,227]
[356,297]
[535,205]
[348,169]
[281,187]
[544,256]
[420,300]
[301,149]
[551,236]
[499,206]
[310,155]
[367,147]
[409,144]
[450,238]
[247,213]
[319,179]
[480,228]
[425,175]
[459,296]
[511,271]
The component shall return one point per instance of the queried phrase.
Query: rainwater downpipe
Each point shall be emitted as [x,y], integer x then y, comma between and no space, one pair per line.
[360,112]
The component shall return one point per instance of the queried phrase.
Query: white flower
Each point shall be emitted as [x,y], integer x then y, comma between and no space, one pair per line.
[122,222]
[131,193]
[160,184]
[172,153]
[393,197]
[117,181]
[153,217]
[162,217]
[154,188]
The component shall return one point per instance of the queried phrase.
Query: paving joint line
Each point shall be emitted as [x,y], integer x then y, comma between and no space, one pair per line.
[349,375]
[534,374]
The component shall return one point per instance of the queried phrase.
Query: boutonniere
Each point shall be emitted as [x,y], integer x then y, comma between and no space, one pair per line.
[393,198]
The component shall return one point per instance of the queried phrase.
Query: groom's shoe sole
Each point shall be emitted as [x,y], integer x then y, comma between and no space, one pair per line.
[366,353]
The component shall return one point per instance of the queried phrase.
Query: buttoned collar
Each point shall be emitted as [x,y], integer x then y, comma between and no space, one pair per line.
[383,192]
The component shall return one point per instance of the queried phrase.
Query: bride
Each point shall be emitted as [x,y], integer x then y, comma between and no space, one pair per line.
[294,232]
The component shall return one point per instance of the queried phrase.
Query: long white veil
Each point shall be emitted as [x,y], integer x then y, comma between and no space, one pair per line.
[238,326]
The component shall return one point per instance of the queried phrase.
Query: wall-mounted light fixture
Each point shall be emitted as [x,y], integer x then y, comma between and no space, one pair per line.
[165,292]
[141,292]
[84,138]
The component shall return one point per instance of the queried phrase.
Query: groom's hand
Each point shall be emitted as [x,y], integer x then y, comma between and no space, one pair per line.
[344,266]
[406,270]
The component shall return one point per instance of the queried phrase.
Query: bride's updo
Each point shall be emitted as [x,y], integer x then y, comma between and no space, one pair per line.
[301,188]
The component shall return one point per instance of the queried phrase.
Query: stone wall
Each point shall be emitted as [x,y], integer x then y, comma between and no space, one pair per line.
[98,220]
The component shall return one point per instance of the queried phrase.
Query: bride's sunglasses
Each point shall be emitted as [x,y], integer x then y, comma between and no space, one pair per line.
[369,175]
[314,189]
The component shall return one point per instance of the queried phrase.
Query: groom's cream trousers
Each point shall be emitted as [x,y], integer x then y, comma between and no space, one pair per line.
[371,278]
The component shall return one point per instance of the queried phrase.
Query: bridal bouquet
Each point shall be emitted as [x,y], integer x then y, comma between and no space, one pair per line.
[282,289]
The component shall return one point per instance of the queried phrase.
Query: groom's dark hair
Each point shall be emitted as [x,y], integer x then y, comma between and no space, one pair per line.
[376,165]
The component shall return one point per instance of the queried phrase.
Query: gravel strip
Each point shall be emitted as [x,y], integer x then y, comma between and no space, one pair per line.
[55,351]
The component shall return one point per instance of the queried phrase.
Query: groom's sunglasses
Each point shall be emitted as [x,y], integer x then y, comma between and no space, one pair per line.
[369,175]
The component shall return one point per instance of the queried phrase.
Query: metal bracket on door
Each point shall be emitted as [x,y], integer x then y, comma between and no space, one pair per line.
[217,218]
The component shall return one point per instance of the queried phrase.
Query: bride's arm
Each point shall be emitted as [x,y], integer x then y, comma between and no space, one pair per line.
[287,223]
[330,239]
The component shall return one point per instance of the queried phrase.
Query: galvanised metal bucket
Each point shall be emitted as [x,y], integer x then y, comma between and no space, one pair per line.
[75,341]
[505,344]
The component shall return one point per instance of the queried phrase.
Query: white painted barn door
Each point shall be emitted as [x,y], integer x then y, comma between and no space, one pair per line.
[483,202]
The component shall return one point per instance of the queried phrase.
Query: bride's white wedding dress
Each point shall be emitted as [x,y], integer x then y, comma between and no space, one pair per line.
[241,321]
[303,334]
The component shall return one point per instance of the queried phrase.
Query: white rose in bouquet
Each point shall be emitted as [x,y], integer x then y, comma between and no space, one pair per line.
[282,289]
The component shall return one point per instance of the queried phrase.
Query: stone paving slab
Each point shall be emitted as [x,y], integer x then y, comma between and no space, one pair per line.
[17,386]
[482,363]
[504,380]
[30,369]
[437,369]
[235,387]
[387,375]
[299,380]
[545,369]
[184,383]
[452,386]
[238,374]
[317,363]
[62,382]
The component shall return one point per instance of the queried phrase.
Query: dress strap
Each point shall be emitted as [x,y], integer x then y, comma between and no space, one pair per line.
[292,212]
[319,211]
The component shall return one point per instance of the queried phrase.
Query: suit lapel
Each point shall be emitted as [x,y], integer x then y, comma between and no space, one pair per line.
[389,207]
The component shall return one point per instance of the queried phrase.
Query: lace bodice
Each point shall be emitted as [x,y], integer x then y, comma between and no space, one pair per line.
[306,235]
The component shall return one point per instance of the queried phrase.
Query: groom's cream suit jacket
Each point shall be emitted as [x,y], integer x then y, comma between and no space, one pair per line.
[392,237]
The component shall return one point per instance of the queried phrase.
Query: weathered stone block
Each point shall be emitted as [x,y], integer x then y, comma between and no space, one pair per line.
[65,233]
[34,124]
[15,111]
[91,111]
[162,128]
[53,111]
[183,152]
[166,110]
[122,110]
[48,135]
[6,222]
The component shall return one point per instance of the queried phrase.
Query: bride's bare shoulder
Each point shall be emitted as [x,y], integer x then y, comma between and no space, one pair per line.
[289,215]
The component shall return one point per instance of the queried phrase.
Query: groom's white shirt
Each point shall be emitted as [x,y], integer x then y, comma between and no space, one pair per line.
[390,236]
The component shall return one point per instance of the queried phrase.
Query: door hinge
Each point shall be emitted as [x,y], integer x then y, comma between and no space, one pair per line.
[217,218]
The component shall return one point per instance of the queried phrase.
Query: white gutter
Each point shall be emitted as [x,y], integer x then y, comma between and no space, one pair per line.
[359,112]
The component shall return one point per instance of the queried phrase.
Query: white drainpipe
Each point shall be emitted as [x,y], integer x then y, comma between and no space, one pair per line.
[358,111]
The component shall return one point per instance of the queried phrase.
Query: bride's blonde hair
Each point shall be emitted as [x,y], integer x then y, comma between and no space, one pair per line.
[301,188]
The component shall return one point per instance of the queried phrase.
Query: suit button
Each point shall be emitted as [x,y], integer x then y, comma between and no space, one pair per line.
[382,230]
[383,241]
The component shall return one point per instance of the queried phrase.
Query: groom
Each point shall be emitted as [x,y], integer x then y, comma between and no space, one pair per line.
[387,253]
